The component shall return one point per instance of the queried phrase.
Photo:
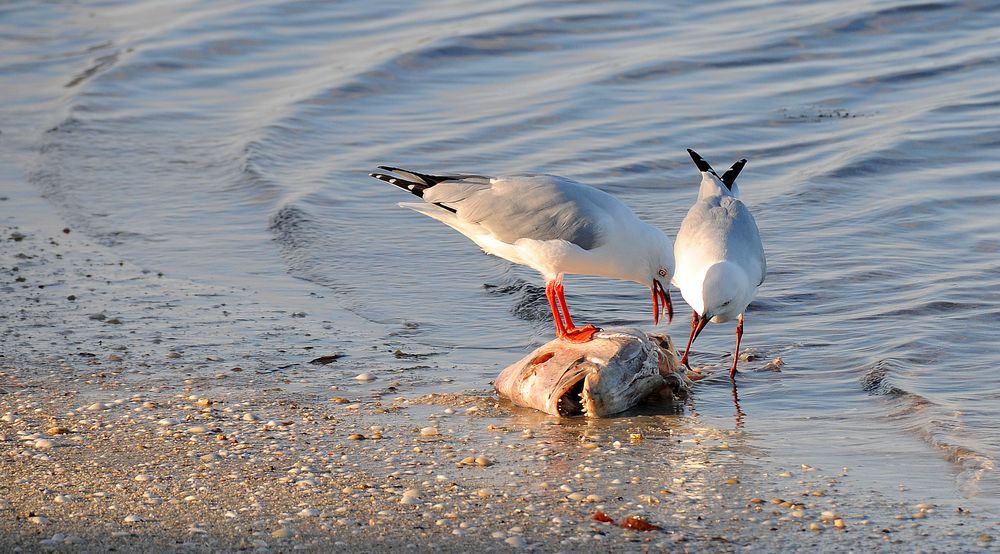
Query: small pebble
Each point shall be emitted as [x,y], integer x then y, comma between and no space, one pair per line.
[411,496]
[173,355]
[309,512]
[197,429]
[132,518]
[44,444]
[516,541]
[365,377]
[281,533]
[56,431]
[38,520]
[429,432]
[143,477]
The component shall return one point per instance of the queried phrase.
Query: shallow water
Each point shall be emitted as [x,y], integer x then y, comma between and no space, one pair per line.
[229,143]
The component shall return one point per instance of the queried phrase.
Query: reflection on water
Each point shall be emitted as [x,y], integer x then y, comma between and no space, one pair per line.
[231,143]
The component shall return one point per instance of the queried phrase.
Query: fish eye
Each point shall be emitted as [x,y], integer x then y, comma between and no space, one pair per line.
[662,272]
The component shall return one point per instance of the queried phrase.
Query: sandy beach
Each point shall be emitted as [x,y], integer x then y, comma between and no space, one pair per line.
[219,334]
[128,422]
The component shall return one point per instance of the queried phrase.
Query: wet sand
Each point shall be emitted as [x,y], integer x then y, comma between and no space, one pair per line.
[135,415]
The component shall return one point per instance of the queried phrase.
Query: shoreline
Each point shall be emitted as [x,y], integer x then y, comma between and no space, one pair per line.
[141,435]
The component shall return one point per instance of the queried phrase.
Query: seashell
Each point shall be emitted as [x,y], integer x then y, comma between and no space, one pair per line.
[609,374]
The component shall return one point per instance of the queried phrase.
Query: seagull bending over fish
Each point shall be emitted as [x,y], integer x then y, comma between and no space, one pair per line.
[720,258]
[551,224]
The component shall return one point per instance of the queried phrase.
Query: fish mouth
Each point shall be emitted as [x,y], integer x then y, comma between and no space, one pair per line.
[567,394]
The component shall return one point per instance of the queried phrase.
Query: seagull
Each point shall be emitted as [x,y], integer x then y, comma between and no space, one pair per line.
[551,224]
[720,258]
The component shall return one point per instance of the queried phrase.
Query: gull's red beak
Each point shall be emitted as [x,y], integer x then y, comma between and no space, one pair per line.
[661,303]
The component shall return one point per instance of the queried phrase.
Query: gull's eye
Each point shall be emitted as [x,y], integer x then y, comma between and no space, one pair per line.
[726,303]
[662,272]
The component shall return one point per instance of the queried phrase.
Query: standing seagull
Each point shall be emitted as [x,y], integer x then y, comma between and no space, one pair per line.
[552,224]
[720,259]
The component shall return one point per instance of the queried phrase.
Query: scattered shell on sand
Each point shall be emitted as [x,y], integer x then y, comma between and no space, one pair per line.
[516,541]
[411,496]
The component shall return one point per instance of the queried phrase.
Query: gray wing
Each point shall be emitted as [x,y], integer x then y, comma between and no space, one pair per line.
[743,241]
[723,228]
[539,207]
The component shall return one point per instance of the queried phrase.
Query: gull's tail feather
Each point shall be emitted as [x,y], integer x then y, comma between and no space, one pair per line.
[701,163]
[415,183]
[429,180]
[729,177]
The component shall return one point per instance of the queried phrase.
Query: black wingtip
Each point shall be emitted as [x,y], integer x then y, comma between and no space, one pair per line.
[729,177]
[700,162]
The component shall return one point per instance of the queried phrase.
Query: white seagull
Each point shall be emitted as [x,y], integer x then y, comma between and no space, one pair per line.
[720,258]
[552,224]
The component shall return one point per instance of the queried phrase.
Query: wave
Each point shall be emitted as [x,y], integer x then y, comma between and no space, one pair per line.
[933,423]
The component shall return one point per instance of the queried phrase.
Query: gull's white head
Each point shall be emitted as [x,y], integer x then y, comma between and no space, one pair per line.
[725,293]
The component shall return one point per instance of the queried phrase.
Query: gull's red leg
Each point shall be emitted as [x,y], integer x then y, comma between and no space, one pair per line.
[574,334]
[736,353]
[550,293]
[697,324]
[561,295]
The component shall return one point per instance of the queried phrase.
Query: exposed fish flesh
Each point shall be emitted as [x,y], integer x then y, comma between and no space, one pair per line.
[608,374]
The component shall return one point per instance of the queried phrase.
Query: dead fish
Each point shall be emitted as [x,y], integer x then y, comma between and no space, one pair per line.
[608,374]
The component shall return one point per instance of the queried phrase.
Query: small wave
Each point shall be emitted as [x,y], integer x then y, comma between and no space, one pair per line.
[932,423]
[934,307]
[530,304]
[99,65]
